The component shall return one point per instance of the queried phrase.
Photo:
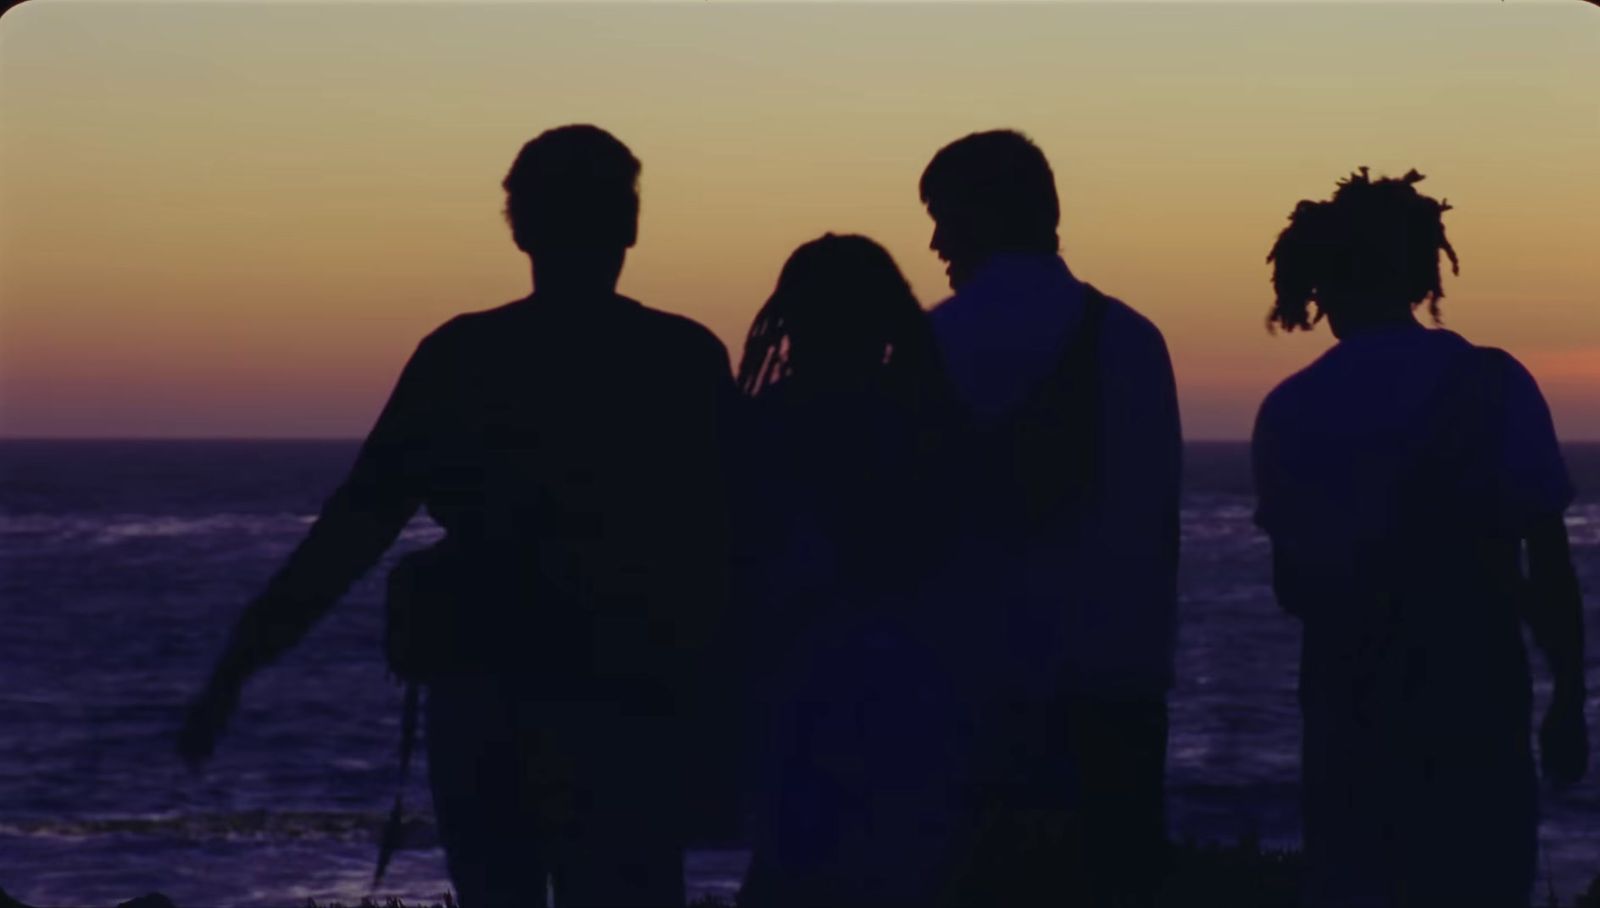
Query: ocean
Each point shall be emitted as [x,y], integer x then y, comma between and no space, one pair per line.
[123,565]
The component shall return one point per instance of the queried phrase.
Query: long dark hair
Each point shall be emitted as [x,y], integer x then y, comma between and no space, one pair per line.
[841,311]
[843,328]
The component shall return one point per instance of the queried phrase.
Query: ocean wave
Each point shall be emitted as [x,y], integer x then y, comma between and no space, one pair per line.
[249,825]
[114,529]
[1211,521]
[1583,524]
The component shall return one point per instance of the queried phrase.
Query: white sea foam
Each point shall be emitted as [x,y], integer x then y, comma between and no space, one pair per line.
[114,529]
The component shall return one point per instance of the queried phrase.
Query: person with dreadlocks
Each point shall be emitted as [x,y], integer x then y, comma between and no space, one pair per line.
[845,400]
[1402,478]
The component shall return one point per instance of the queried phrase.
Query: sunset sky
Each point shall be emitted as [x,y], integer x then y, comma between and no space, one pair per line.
[236,219]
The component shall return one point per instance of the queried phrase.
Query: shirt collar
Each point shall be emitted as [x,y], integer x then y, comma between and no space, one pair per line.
[1383,333]
[1004,273]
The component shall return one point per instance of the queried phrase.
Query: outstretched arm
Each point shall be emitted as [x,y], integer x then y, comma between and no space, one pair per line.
[357,524]
[1555,615]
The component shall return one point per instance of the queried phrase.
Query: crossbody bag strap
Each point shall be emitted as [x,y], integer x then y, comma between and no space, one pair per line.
[1056,436]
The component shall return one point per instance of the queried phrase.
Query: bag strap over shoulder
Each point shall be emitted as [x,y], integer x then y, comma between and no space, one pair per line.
[1082,352]
[394,827]
[1057,428]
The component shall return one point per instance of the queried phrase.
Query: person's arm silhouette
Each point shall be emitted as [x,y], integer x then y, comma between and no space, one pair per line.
[1555,615]
[357,524]
[1533,492]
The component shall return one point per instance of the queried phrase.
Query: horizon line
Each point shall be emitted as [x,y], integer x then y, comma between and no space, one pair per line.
[357,439]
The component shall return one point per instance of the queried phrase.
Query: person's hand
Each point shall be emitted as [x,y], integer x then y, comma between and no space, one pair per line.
[1564,742]
[208,715]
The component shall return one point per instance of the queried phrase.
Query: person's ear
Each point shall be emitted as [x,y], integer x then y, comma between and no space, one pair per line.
[518,232]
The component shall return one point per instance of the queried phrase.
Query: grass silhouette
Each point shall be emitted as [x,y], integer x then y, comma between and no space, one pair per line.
[1241,875]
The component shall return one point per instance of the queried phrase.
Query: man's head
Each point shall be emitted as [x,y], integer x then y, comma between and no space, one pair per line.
[1369,254]
[990,192]
[572,197]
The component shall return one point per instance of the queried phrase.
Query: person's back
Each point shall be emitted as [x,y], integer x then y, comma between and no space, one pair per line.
[1098,575]
[854,726]
[570,445]
[575,466]
[586,493]
[1070,603]
[1398,477]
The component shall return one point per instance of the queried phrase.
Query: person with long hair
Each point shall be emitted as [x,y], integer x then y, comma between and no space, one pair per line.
[1403,477]
[844,392]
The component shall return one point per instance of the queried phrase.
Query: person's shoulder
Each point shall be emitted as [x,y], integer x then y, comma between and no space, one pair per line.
[679,332]
[465,329]
[1490,363]
[1290,396]
[1297,384]
[1129,328]
[476,322]
[1123,317]
[1519,384]
[1502,360]
[1280,400]
[947,311]
[670,323]
[675,327]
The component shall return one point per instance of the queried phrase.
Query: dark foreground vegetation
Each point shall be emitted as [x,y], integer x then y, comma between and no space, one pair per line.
[1243,875]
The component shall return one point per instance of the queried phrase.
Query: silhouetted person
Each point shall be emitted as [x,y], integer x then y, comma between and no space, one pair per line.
[854,710]
[1401,477]
[1069,569]
[569,444]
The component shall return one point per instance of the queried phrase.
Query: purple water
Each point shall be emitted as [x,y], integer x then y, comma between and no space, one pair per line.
[123,564]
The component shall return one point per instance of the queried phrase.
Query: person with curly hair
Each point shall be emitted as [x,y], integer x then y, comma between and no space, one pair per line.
[1403,477]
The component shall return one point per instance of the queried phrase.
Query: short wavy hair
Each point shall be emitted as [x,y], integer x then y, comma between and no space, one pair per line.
[573,188]
[1000,182]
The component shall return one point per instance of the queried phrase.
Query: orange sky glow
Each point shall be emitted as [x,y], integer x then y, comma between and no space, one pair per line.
[236,219]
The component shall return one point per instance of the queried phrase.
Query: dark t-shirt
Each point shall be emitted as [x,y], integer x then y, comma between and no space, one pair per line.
[1403,467]
[1397,476]
[573,450]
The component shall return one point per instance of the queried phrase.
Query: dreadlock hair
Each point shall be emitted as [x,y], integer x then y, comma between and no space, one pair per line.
[841,303]
[1374,241]
[843,327]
